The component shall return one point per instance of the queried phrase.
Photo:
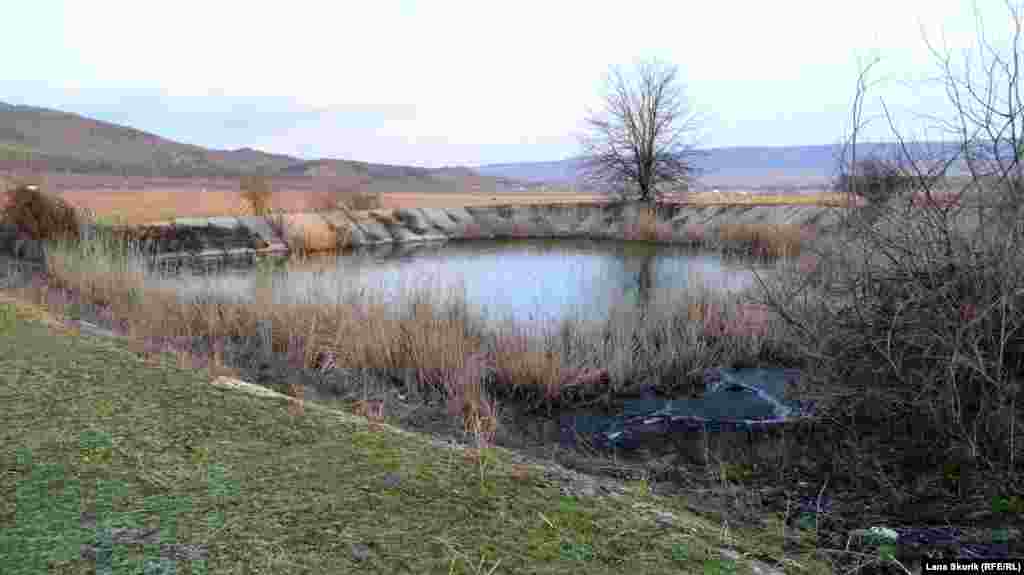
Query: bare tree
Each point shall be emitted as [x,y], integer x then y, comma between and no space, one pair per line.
[641,142]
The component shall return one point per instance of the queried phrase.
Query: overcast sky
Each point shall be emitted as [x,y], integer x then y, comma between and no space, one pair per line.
[464,83]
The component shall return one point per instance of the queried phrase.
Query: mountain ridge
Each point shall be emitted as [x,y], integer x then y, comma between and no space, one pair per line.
[47,140]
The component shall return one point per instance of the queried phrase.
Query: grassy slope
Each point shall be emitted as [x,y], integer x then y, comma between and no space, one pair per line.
[300,493]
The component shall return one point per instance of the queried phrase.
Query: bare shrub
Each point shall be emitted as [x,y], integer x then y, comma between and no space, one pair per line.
[350,197]
[875,179]
[913,318]
[363,201]
[40,215]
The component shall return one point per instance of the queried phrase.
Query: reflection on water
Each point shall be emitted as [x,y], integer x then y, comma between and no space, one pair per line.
[521,279]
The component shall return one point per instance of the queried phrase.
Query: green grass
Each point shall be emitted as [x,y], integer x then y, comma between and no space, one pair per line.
[89,426]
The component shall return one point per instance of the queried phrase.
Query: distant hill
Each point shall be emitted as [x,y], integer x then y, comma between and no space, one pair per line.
[556,172]
[790,168]
[51,141]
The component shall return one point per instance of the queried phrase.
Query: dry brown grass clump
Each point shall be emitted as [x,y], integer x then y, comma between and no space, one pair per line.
[39,215]
[306,233]
[778,240]
[348,198]
[525,362]
[359,201]
[258,192]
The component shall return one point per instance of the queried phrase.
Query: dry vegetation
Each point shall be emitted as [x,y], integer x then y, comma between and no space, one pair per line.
[908,324]
[433,333]
[272,501]
[478,366]
[37,213]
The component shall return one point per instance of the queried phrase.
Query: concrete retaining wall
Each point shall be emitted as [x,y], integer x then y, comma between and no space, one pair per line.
[333,229]
[576,220]
[14,244]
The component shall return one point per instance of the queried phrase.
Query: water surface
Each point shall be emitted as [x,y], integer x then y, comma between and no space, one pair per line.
[538,279]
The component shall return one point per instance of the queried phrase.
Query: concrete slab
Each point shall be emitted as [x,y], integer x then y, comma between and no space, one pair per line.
[324,230]
[261,227]
[228,222]
[230,253]
[413,219]
[358,238]
[379,250]
[403,234]
[438,218]
[460,215]
[375,231]
[488,218]
[418,248]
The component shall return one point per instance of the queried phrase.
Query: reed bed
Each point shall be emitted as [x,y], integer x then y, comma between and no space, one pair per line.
[431,330]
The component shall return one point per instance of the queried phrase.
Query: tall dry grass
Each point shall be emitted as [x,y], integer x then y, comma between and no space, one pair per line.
[435,333]
[258,193]
[770,240]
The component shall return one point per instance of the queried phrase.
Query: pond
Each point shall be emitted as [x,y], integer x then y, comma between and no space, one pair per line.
[523,279]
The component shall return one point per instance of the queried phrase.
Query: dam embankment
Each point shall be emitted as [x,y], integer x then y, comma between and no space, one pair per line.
[249,237]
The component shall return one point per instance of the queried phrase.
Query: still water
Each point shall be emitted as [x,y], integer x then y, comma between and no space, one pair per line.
[543,279]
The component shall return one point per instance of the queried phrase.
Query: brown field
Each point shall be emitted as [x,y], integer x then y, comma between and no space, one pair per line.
[134,201]
[136,207]
[764,199]
[414,200]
